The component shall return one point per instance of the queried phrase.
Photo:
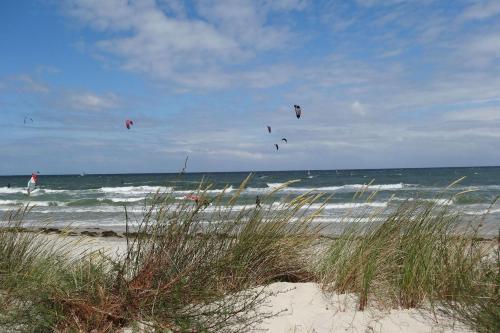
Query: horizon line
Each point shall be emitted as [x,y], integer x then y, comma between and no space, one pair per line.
[253,171]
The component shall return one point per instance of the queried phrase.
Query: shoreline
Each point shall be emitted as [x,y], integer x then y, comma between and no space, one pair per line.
[120,233]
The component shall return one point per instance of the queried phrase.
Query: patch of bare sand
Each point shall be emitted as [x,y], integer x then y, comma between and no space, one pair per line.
[304,307]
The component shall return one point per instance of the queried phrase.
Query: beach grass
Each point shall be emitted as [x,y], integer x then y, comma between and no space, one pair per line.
[185,270]
[419,257]
[180,272]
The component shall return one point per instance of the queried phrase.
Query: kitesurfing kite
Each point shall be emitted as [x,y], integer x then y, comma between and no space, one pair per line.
[269,129]
[284,139]
[277,147]
[298,111]
[28,120]
[128,123]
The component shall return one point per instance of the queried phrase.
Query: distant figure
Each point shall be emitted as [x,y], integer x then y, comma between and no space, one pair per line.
[32,182]
[257,202]
[8,185]
[205,202]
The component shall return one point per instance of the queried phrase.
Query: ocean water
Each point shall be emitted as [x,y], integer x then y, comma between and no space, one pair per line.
[98,200]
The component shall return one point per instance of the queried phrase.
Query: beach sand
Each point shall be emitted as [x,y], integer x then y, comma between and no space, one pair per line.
[305,308]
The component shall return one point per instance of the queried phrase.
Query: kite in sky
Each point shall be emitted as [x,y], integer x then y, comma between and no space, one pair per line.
[128,123]
[298,111]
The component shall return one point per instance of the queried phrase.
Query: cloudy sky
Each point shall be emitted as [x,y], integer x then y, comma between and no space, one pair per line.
[382,83]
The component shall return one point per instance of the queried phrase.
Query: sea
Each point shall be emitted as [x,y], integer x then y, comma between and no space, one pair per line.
[99,200]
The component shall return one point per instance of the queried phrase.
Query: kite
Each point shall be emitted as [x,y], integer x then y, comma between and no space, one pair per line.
[277,147]
[285,140]
[298,111]
[28,120]
[128,123]
[269,129]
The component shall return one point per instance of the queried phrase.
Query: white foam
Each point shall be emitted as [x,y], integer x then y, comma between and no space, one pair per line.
[349,205]
[297,190]
[482,212]
[348,219]
[12,190]
[440,202]
[274,185]
[379,187]
[9,202]
[135,189]
[122,199]
[44,190]
[215,191]
[31,203]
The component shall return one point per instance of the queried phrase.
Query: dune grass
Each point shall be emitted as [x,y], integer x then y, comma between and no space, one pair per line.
[185,270]
[181,271]
[418,258]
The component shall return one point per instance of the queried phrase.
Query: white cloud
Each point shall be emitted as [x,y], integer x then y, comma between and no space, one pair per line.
[485,46]
[482,10]
[31,85]
[480,115]
[358,108]
[88,101]
[161,41]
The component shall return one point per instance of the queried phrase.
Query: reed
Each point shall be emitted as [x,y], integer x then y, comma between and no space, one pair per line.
[183,270]
[418,258]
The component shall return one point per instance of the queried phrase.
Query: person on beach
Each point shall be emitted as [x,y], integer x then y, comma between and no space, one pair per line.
[32,183]
[257,202]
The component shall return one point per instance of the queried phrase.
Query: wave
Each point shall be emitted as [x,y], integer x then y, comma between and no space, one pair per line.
[274,185]
[10,202]
[380,187]
[215,191]
[341,188]
[347,219]
[102,201]
[136,189]
[12,190]
[31,203]
[124,200]
[440,202]
[350,205]
[482,212]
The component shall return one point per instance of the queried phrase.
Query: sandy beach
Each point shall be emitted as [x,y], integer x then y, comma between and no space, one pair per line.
[305,308]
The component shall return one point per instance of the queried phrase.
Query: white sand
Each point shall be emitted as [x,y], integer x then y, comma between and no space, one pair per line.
[306,309]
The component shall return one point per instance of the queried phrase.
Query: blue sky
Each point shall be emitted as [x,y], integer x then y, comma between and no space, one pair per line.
[382,83]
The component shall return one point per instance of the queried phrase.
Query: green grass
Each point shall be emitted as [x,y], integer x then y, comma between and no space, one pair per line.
[184,270]
[180,272]
[417,258]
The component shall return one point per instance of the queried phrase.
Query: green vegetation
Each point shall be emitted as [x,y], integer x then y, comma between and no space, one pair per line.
[184,270]
[180,272]
[418,257]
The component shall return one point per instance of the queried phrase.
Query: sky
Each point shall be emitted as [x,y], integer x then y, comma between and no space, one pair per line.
[381,83]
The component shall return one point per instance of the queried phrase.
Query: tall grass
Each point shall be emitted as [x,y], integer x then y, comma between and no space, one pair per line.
[477,305]
[183,269]
[186,270]
[417,257]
